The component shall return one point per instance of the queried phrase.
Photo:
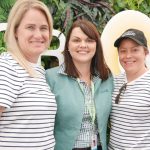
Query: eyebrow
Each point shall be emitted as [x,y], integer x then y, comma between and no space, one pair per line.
[80,38]
[131,47]
[76,37]
[32,24]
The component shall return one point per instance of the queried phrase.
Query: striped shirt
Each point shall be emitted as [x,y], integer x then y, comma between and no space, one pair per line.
[130,118]
[27,122]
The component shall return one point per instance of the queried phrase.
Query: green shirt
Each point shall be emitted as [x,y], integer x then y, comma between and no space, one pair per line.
[70,107]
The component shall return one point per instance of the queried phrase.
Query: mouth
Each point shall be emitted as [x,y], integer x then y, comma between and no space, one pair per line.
[129,62]
[37,42]
[82,52]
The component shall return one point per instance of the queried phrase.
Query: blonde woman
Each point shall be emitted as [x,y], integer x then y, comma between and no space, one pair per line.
[27,106]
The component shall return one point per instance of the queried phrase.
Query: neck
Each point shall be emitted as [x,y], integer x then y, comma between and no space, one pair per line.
[85,73]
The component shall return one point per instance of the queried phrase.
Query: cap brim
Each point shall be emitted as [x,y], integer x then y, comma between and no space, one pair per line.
[118,41]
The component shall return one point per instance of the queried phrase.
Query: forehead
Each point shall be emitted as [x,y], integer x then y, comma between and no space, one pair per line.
[34,14]
[77,32]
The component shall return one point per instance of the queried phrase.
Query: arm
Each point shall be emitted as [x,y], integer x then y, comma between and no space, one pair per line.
[9,83]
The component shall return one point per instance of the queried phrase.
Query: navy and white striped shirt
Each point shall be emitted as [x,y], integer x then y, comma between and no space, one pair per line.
[130,119]
[27,122]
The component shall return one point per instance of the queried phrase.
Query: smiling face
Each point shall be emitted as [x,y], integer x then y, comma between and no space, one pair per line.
[32,34]
[132,57]
[81,47]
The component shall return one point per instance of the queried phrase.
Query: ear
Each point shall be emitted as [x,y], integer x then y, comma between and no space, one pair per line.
[146,51]
[16,33]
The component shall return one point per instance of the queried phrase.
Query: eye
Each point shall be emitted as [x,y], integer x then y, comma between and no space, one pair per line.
[75,40]
[30,27]
[44,28]
[122,50]
[135,49]
[90,40]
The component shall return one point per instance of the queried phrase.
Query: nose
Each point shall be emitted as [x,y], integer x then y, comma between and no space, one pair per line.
[128,54]
[37,33]
[83,44]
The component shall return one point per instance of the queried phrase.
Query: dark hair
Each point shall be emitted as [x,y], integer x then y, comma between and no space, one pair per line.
[98,65]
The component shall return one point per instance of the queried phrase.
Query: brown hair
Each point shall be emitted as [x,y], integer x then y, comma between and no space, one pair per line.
[98,64]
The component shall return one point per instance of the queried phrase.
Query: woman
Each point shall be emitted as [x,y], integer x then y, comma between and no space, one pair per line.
[130,116]
[82,86]
[27,106]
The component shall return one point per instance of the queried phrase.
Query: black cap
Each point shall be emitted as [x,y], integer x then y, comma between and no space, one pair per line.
[133,34]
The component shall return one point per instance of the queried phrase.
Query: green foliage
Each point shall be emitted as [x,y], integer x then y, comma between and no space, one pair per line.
[54,43]
[2,44]
[139,5]
[2,16]
[99,12]
[57,9]
[64,12]
[5,6]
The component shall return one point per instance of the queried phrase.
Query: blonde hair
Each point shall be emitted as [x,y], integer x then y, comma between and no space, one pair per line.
[15,17]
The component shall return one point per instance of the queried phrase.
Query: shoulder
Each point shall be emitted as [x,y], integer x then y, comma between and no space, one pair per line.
[7,63]
[56,71]
[10,68]
[52,75]
[120,76]
[109,80]
[109,83]
[52,72]
[6,58]
[120,79]
[11,82]
[56,77]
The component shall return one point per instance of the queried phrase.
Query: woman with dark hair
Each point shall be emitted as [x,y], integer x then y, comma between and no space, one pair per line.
[83,87]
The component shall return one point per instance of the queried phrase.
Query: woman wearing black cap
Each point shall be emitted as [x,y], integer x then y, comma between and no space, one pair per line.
[130,116]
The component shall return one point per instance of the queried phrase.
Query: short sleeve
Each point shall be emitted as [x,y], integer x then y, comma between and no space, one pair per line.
[9,83]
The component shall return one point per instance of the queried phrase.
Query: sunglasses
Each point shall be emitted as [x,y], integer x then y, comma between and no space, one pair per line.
[121,91]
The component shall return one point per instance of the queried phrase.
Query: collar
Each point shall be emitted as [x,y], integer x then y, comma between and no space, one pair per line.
[61,70]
